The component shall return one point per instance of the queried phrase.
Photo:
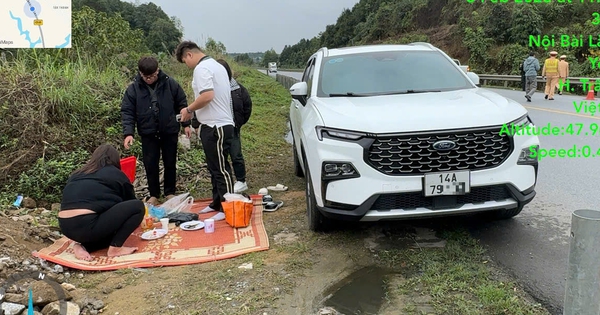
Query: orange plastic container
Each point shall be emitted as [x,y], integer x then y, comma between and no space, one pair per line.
[128,167]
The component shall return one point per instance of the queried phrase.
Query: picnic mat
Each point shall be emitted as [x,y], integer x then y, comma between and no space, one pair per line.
[178,247]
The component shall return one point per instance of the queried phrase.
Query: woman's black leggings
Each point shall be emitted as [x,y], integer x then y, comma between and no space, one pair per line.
[109,228]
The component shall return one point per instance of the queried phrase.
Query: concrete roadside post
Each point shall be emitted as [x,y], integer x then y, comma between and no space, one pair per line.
[582,292]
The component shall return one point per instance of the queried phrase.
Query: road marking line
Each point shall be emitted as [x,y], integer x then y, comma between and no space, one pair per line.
[562,112]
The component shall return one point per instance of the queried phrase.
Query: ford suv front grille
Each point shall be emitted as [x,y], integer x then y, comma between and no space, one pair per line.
[415,154]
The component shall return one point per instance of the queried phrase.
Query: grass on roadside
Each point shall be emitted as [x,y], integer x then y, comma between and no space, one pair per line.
[457,279]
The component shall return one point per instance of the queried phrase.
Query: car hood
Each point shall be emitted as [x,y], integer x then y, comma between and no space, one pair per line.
[419,112]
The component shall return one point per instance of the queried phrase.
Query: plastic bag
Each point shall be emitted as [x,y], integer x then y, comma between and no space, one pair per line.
[172,203]
[179,218]
[185,206]
[232,197]
[156,212]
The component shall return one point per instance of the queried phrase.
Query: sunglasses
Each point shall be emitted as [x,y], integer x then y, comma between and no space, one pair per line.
[149,77]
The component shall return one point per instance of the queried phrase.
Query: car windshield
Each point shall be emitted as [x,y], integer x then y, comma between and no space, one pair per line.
[390,72]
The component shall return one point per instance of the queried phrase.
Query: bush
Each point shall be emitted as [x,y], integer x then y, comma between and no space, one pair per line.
[46,178]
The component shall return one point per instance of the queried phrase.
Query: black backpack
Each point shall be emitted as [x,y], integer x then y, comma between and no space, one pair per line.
[242,105]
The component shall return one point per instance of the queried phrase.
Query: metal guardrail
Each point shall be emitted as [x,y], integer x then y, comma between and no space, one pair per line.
[286,81]
[484,79]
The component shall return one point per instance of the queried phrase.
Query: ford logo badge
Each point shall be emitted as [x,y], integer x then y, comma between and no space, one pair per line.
[444,145]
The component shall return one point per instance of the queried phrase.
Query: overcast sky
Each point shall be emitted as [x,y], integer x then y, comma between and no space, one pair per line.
[253,25]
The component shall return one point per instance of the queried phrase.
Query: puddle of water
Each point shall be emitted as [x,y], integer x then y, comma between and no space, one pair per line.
[362,292]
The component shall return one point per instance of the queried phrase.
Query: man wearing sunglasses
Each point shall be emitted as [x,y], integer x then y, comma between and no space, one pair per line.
[152,103]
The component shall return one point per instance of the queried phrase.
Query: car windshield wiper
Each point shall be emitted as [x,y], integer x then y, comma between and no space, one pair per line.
[347,94]
[409,92]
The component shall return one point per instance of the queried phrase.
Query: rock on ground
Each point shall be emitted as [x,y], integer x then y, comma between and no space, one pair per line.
[12,308]
[54,309]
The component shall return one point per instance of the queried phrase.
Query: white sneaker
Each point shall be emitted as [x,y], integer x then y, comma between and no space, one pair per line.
[207,210]
[238,187]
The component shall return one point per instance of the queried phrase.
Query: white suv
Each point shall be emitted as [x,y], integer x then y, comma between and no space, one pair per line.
[400,132]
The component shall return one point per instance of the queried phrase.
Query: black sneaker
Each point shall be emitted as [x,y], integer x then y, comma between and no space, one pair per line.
[551,99]
[546,97]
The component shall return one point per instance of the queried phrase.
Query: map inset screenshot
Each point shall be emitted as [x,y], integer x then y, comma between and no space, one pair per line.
[31,24]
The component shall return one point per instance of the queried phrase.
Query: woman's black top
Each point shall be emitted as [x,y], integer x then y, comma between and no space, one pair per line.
[98,191]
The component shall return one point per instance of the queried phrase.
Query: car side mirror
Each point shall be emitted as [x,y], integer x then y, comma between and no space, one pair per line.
[474,78]
[299,92]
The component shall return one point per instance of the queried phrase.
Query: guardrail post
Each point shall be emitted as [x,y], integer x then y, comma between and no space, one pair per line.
[582,293]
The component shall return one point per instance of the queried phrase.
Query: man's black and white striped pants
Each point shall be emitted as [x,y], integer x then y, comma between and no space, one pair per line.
[216,142]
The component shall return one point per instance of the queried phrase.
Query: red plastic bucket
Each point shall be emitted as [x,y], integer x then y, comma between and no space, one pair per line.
[128,167]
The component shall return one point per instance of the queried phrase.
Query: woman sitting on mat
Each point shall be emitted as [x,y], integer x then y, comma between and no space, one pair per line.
[99,208]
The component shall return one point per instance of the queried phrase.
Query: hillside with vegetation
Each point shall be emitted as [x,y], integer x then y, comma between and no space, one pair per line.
[161,33]
[493,38]
[57,105]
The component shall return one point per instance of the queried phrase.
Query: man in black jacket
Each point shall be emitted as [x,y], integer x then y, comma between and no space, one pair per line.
[151,103]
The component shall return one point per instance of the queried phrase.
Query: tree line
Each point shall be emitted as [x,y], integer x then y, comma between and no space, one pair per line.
[491,37]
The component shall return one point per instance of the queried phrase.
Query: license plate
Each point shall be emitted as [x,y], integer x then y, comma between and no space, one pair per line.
[447,184]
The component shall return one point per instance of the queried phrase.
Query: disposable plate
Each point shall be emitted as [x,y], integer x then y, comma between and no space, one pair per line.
[191,225]
[154,234]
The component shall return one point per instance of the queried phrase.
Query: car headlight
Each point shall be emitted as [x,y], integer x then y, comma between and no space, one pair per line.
[526,153]
[338,133]
[525,156]
[338,170]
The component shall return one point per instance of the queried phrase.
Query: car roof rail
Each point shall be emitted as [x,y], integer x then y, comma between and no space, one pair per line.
[422,44]
[324,50]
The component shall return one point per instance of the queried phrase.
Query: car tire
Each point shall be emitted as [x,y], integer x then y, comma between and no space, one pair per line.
[316,221]
[507,213]
[297,167]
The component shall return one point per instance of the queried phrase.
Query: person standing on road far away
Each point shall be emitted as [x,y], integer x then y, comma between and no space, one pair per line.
[213,110]
[563,73]
[531,66]
[99,208]
[242,109]
[152,102]
[550,71]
